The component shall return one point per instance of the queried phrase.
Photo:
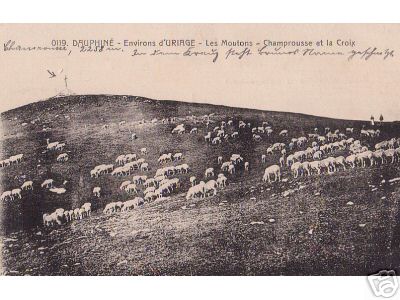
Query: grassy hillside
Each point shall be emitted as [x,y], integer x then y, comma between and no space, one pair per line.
[248,228]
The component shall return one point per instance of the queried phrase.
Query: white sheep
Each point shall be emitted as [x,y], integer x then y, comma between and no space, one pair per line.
[283,133]
[143,151]
[263,158]
[210,187]
[96,191]
[110,208]
[62,157]
[48,183]
[221,180]
[131,188]
[177,156]
[296,168]
[6,196]
[272,170]
[27,185]
[209,172]
[144,167]
[231,169]
[193,181]
[131,204]
[51,146]
[87,207]
[196,191]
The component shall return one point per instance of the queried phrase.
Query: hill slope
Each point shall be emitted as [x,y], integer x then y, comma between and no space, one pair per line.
[248,228]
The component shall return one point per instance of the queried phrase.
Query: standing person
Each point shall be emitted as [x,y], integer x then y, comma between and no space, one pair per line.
[372,120]
[381,119]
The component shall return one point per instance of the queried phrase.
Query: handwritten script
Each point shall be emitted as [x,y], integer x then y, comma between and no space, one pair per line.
[213,53]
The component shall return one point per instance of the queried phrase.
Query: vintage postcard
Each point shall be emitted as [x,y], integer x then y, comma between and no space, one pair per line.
[200,149]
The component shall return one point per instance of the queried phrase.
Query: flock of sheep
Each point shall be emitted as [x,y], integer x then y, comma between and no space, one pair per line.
[61,216]
[300,162]
[301,156]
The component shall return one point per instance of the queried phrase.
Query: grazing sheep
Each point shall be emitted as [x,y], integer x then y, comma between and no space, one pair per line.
[219,160]
[193,181]
[120,160]
[225,166]
[363,157]
[62,157]
[60,146]
[165,158]
[296,169]
[231,169]
[315,165]
[181,169]
[87,207]
[236,159]
[144,167]
[77,214]
[272,170]
[257,138]
[329,164]
[51,146]
[306,166]
[263,158]
[194,130]
[143,151]
[207,137]
[48,183]
[131,188]
[27,185]
[110,208]
[246,166]
[351,160]
[283,133]
[210,187]
[177,156]
[196,191]
[16,193]
[59,216]
[216,140]
[150,196]
[71,215]
[209,172]
[96,191]
[124,184]
[150,182]
[139,179]
[290,160]
[6,196]
[180,129]
[66,216]
[48,220]
[317,155]
[131,204]
[340,161]
[150,189]
[221,180]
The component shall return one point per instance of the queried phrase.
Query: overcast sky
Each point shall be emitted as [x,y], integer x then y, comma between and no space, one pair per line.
[324,86]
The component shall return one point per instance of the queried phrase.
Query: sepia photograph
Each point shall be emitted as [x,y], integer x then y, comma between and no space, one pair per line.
[201,150]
